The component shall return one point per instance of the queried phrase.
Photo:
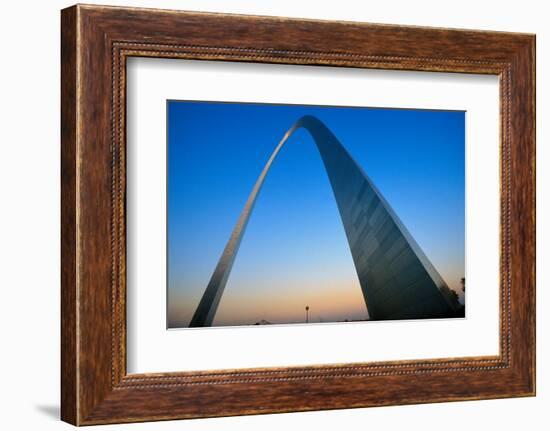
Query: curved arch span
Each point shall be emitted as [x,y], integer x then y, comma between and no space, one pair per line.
[397,280]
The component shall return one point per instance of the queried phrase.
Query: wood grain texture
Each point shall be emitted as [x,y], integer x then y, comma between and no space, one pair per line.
[68,218]
[96,41]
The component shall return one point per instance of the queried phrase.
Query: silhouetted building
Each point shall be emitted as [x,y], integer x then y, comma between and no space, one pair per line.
[262,322]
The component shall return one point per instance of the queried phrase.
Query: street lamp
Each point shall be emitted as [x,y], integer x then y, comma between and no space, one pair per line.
[307,313]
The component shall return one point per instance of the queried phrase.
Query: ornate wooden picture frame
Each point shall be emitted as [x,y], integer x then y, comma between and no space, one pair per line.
[96,41]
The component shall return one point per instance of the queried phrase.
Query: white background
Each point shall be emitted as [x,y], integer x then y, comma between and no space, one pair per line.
[29,217]
[151,348]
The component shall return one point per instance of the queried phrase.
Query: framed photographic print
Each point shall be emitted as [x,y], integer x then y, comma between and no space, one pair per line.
[292,208]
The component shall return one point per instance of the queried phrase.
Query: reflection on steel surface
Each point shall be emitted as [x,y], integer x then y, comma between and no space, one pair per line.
[397,279]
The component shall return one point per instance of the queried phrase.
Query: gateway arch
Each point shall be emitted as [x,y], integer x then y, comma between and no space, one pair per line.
[397,279]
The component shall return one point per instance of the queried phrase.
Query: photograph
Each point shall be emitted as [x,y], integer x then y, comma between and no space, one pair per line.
[303,214]
[235,215]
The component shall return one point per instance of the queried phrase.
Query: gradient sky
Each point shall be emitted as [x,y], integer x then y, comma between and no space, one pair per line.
[294,252]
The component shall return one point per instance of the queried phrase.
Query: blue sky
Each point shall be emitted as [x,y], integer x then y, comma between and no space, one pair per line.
[294,252]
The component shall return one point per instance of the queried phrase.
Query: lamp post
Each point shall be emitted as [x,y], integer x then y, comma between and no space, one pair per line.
[307,313]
